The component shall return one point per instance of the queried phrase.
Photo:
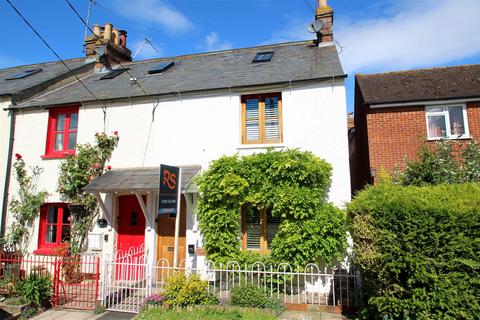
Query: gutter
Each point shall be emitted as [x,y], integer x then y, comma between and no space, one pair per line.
[244,89]
[3,226]
[424,102]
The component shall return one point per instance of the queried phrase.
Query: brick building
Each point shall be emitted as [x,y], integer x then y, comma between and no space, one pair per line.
[398,111]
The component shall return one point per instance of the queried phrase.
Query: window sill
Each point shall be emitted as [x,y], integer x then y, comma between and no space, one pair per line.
[450,138]
[261,146]
[57,156]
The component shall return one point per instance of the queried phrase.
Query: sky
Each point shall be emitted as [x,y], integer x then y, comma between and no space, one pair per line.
[371,35]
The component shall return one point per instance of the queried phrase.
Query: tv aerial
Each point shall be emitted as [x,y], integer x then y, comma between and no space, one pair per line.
[315,26]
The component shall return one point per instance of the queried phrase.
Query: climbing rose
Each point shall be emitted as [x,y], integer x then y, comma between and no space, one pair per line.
[18,156]
[109,167]
[115,133]
[95,165]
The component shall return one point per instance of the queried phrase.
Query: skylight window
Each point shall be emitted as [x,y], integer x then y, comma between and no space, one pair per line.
[114,73]
[161,67]
[263,57]
[24,74]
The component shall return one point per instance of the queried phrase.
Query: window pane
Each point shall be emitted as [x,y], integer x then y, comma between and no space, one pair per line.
[66,215]
[73,121]
[435,109]
[437,127]
[60,122]
[253,228]
[51,235]
[58,142]
[252,120]
[271,118]
[65,233]
[52,215]
[457,125]
[72,140]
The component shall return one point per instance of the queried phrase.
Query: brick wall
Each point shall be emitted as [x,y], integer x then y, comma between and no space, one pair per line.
[394,133]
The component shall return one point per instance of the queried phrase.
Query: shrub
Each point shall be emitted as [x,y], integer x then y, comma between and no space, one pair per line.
[37,290]
[182,291]
[248,295]
[294,185]
[275,305]
[417,250]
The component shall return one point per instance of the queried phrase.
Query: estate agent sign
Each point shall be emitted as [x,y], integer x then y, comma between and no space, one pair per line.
[168,190]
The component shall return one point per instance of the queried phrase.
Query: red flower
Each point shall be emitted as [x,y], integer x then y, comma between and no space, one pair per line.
[18,156]
[115,133]
[109,167]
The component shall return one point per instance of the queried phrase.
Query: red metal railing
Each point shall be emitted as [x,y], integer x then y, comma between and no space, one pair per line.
[75,279]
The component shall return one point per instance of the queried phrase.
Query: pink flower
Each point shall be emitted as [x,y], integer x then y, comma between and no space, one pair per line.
[95,165]
[109,167]
[18,156]
[69,219]
[115,133]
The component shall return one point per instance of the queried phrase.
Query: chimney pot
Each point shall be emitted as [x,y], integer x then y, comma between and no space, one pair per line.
[96,30]
[116,36]
[107,34]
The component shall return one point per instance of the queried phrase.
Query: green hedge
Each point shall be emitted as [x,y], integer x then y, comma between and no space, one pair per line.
[418,249]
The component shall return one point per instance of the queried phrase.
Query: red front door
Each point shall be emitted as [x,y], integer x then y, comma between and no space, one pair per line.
[130,223]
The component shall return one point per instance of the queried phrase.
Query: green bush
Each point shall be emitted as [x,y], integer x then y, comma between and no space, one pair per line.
[248,295]
[37,290]
[417,249]
[294,185]
[182,291]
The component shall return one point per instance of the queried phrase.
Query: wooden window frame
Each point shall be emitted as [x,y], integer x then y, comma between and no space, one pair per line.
[50,151]
[263,231]
[261,113]
[44,247]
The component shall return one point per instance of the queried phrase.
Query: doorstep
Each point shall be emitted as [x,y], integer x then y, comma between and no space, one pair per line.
[54,314]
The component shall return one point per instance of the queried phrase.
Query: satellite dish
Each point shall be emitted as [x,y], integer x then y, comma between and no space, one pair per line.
[315,26]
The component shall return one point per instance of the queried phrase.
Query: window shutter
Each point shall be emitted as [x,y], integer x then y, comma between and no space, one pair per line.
[273,223]
[253,228]
[252,120]
[271,119]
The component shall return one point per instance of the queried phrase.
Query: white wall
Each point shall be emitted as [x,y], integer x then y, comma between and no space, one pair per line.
[197,131]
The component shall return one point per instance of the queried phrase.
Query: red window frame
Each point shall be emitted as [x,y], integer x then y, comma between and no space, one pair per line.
[45,247]
[50,151]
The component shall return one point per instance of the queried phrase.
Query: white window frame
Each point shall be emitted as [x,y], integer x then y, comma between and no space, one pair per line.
[445,113]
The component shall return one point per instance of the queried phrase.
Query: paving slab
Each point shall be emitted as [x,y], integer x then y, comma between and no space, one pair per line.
[55,314]
[309,315]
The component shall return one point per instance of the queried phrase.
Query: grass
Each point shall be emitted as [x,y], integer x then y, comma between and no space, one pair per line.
[206,313]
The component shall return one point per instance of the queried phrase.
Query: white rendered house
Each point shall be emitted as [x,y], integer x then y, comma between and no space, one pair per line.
[183,111]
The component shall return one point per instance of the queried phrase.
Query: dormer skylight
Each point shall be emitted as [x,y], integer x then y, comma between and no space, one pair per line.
[263,57]
[114,73]
[161,67]
[24,74]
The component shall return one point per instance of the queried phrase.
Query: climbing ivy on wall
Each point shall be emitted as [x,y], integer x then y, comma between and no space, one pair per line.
[294,184]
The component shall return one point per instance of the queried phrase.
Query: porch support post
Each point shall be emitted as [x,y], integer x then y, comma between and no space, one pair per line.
[106,214]
[144,209]
[177,219]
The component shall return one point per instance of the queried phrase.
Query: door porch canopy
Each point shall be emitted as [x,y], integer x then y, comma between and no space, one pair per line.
[137,181]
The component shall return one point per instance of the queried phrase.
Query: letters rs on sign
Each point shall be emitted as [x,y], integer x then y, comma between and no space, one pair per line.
[168,190]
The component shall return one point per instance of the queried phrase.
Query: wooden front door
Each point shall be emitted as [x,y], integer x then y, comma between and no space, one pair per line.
[166,236]
[130,223]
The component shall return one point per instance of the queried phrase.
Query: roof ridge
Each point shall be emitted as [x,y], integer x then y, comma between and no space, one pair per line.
[417,70]
[209,53]
[41,64]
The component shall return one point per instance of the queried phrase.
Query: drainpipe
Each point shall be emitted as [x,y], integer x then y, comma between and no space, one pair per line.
[3,226]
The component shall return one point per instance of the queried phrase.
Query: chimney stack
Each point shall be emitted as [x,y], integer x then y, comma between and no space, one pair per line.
[324,13]
[108,46]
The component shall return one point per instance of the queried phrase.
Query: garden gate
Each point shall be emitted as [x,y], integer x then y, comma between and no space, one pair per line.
[75,280]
